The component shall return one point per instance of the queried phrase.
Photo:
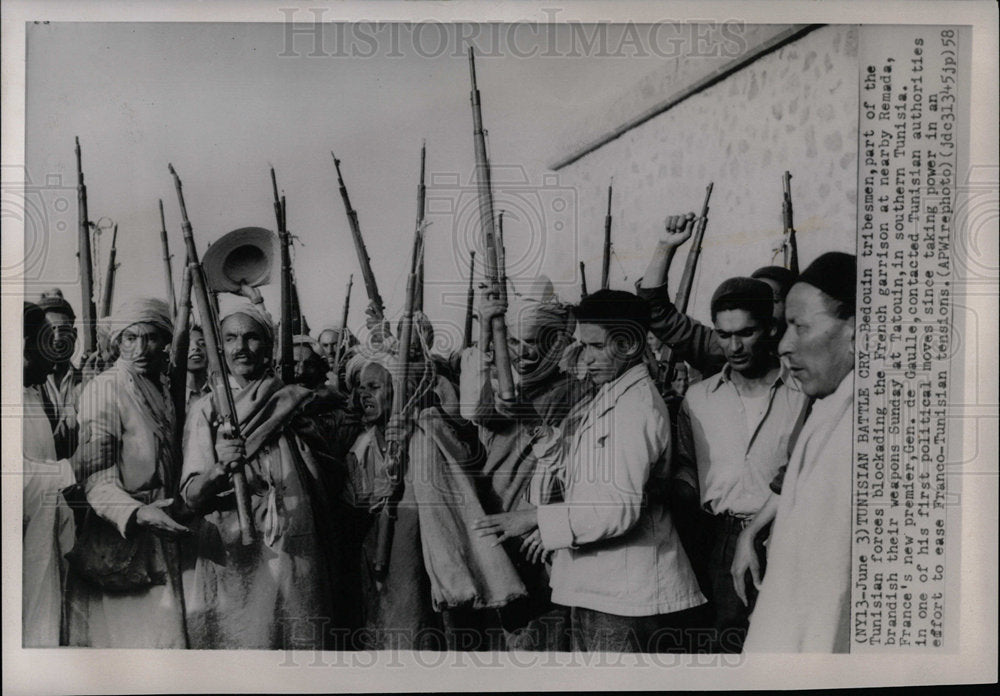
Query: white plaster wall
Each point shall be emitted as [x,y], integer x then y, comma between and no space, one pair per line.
[795,109]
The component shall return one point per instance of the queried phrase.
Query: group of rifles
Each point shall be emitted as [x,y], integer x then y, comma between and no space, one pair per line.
[210,479]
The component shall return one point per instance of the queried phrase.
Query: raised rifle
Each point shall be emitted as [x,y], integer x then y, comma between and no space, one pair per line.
[789,246]
[501,259]
[470,302]
[179,352]
[88,314]
[342,340]
[687,278]
[606,259]
[109,283]
[484,186]
[418,300]
[371,287]
[397,445]
[286,361]
[166,261]
[218,370]
[583,280]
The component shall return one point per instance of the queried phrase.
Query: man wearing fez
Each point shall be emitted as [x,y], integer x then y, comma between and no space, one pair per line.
[690,340]
[274,593]
[63,385]
[618,563]
[733,436]
[804,604]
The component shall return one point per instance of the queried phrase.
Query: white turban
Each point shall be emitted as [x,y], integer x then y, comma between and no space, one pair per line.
[140,311]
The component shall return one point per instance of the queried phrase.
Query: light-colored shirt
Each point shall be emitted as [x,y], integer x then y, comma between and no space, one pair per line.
[804,605]
[48,528]
[617,551]
[736,461]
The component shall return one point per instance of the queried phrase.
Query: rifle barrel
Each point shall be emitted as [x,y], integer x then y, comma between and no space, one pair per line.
[86,261]
[171,297]
[484,187]
[217,368]
[606,259]
[687,279]
[371,287]
[109,283]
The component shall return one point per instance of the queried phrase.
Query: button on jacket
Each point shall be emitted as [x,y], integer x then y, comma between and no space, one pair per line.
[617,551]
[735,465]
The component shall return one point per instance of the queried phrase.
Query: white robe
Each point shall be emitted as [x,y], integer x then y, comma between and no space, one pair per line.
[48,529]
[804,605]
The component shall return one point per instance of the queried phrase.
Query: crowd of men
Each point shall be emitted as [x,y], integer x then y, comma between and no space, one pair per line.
[611,504]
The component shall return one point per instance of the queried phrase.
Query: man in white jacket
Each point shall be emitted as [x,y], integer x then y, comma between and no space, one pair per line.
[618,563]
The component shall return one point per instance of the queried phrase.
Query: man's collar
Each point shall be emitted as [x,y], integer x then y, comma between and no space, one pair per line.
[616,387]
[725,375]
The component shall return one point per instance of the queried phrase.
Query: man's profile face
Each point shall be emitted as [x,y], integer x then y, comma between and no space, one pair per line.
[818,347]
[63,332]
[605,355]
[743,339]
[779,300]
[246,346]
[309,367]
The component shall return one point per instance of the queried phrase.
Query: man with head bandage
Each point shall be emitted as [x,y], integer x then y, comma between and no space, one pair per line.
[514,434]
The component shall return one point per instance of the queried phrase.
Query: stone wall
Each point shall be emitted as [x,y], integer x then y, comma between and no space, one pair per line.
[794,109]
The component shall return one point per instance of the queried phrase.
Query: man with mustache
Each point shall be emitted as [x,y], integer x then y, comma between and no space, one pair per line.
[274,593]
[128,466]
[733,432]
[804,604]
[337,345]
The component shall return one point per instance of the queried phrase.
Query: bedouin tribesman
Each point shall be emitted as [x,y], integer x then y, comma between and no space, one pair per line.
[47,523]
[690,340]
[275,592]
[197,367]
[125,589]
[335,342]
[733,434]
[539,330]
[62,387]
[310,368]
[804,604]
[394,611]
[618,564]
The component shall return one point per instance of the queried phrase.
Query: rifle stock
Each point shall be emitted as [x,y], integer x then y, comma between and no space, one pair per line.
[687,279]
[218,370]
[371,287]
[179,352]
[789,245]
[88,310]
[470,299]
[397,444]
[501,357]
